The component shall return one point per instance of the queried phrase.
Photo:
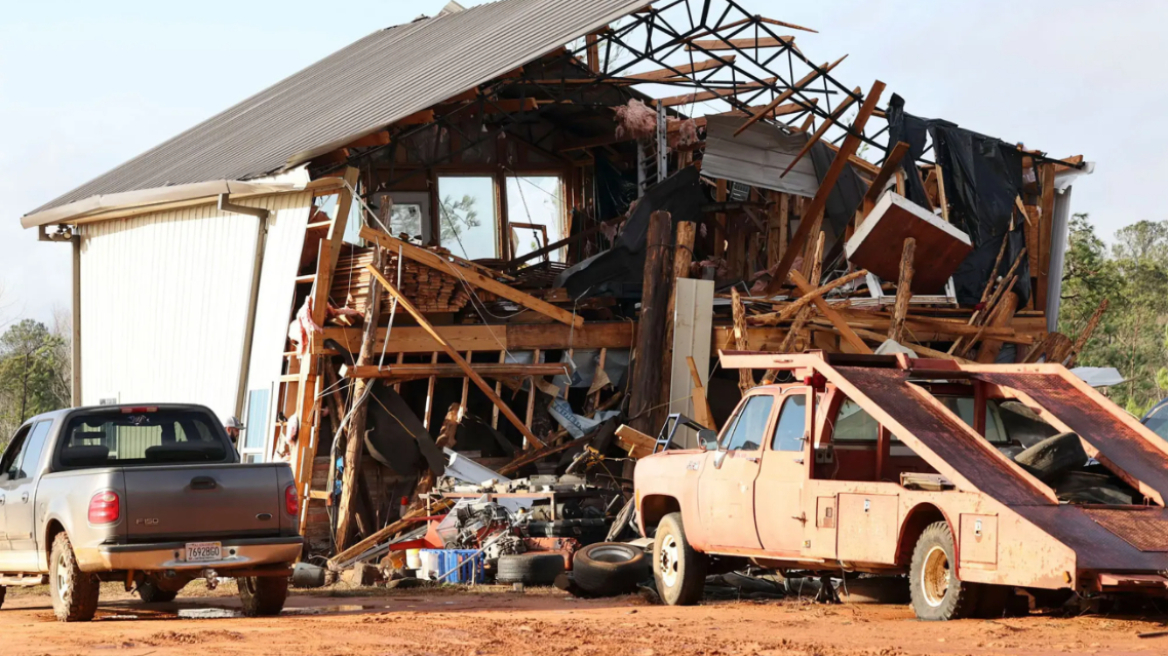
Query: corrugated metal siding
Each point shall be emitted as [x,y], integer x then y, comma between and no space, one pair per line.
[277,285]
[757,157]
[163,305]
[376,81]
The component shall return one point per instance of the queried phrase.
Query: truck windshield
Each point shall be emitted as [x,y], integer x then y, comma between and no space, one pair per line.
[155,437]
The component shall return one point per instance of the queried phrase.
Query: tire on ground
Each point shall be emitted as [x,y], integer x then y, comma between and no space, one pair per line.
[74,592]
[610,568]
[937,593]
[150,593]
[679,570]
[537,569]
[262,596]
[1054,456]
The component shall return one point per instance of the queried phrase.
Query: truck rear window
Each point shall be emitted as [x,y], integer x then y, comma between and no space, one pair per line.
[123,439]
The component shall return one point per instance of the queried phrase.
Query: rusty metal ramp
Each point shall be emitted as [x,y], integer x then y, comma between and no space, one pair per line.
[937,436]
[1145,528]
[1117,441]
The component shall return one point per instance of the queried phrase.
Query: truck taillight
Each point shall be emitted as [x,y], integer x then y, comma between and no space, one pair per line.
[104,508]
[291,501]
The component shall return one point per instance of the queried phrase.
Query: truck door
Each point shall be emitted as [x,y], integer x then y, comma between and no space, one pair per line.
[9,467]
[778,492]
[21,499]
[726,485]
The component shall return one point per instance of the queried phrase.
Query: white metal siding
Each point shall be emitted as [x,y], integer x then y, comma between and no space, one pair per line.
[164,302]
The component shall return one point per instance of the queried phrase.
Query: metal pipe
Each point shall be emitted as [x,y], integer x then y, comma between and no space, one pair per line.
[261,214]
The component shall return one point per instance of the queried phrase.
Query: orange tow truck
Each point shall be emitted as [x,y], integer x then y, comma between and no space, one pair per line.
[917,467]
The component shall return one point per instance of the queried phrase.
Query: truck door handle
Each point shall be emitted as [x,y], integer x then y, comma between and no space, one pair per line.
[24,498]
[202,483]
[754,460]
[1,499]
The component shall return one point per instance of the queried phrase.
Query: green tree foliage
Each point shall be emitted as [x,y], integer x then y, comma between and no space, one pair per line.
[1133,275]
[34,373]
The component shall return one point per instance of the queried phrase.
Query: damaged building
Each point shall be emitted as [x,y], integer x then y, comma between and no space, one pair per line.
[501,230]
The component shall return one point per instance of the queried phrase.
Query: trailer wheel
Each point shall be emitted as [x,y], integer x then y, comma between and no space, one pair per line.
[937,593]
[74,592]
[262,595]
[680,572]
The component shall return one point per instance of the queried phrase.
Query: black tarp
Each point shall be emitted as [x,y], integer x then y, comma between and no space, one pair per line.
[621,268]
[983,176]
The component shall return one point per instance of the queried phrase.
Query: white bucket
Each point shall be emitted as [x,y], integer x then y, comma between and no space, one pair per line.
[414,559]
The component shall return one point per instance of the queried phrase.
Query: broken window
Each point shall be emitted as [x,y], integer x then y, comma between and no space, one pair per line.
[466,216]
[535,213]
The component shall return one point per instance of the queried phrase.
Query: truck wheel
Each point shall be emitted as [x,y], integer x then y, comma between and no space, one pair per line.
[149,592]
[262,595]
[610,568]
[680,572]
[74,592]
[937,593]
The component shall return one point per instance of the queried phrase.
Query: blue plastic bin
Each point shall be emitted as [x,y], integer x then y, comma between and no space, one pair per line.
[457,565]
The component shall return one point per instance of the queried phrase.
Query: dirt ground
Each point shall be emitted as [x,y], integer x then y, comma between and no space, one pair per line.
[544,622]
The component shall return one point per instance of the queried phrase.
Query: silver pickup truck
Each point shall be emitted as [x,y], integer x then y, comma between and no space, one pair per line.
[154,497]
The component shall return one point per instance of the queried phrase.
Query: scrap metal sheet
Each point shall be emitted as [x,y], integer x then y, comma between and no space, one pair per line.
[1114,439]
[957,447]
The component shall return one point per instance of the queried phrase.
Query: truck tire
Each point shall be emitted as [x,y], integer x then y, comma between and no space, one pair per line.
[1053,457]
[610,568]
[3,591]
[262,596]
[679,571]
[937,593]
[150,593]
[74,592]
[537,569]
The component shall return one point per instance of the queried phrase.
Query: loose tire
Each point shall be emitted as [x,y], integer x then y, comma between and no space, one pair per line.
[680,572]
[610,568]
[262,596]
[535,569]
[74,592]
[937,593]
[149,592]
[1054,457]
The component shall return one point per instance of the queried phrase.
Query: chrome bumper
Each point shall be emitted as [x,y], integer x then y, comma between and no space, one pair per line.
[239,554]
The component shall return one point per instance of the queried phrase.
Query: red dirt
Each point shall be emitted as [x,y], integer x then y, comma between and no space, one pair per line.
[421,623]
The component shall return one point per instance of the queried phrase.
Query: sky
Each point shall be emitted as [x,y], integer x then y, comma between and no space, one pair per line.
[85,86]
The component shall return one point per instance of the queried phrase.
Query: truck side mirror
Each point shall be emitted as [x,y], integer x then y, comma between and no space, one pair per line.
[708,439]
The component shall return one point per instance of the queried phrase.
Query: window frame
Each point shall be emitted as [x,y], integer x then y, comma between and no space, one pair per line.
[498,227]
[802,393]
[728,433]
[15,448]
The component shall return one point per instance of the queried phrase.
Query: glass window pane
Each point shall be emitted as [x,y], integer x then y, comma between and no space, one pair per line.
[792,424]
[255,428]
[466,215]
[751,424]
[854,424]
[535,201]
[32,450]
[14,454]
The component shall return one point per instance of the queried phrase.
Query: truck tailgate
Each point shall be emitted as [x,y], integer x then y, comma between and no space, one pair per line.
[202,501]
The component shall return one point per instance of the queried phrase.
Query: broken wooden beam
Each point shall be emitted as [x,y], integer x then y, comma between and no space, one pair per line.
[471,276]
[903,290]
[717,45]
[449,370]
[789,312]
[823,128]
[819,202]
[831,314]
[682,70]
[454,355]
[702,96]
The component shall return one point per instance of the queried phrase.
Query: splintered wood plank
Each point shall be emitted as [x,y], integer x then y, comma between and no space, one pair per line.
[823,128]
[454,355]
[330,250]
[889,168]
[819,202]
[702,96]
[450,370]
[715,45]
[903,291]
[831,314]
[682,70]
[745,376]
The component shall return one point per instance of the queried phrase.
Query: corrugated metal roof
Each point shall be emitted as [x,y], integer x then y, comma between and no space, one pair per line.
[372,83]
[758,156]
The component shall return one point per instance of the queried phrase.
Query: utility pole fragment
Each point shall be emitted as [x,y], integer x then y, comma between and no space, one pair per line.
[903,290]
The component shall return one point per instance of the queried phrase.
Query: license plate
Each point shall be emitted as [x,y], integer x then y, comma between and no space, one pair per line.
[200,552]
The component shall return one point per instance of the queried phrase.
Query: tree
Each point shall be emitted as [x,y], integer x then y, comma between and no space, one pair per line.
[459,216]
[34,378]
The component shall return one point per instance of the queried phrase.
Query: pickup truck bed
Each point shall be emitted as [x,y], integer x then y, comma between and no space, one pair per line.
[151,493]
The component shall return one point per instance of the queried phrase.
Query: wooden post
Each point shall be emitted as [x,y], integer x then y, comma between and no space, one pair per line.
[819,202]
[355,442]
[651,325]
[903,290]
[702,413]
[682,257]
[741,340]
[498,391]
[430,393]
[474,377]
